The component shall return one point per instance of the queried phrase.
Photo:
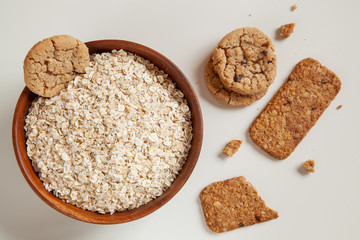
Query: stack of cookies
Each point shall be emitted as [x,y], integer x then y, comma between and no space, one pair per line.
[241,68]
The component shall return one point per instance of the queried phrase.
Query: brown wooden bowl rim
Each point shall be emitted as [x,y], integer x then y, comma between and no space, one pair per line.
[163,63]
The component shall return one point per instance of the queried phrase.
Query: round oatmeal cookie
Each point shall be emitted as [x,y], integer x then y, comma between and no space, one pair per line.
[245,61]
[221,93]
[53,62]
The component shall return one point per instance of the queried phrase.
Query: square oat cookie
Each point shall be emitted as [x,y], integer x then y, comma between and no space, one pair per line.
[232,204]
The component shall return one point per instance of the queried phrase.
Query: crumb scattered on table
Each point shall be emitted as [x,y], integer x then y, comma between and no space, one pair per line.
[232,147]
[293,7]
[338,107]
[287,29]
[309,165]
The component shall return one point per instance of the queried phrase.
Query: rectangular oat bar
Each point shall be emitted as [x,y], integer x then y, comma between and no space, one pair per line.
[295,108]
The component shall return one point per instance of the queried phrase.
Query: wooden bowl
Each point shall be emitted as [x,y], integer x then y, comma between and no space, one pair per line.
[19,142]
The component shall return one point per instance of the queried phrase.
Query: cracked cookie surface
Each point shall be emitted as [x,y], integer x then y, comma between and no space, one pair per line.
[225,96]
[53,62]
[245,61]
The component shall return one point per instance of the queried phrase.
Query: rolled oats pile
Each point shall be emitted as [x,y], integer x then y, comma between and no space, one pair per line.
[114,139]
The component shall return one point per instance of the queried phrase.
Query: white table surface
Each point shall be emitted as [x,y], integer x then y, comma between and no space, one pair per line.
[325,205]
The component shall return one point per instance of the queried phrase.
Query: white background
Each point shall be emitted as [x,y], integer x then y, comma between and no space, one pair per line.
[325,205]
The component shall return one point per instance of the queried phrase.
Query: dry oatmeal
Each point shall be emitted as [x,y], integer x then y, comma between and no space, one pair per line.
[114,139]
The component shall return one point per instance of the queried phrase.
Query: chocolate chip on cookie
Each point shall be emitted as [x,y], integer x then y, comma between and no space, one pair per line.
[53,62]
[245,61]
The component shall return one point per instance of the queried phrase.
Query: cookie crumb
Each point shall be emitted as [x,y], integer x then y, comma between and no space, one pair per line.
[287,29]
[293,7]
[232,204]
[309,165]
[338,107]
[232,147]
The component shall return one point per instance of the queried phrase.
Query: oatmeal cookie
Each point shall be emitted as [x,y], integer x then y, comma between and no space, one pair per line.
[295,108]
[53,62]
[222,94]
[245,61]
[232,204]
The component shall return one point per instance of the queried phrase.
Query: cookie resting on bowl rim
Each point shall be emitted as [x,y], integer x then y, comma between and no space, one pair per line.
[163,63]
